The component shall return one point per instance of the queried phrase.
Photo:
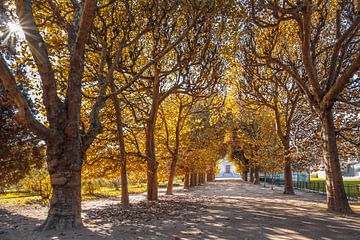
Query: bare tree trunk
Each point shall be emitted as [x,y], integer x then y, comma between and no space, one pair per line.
[288,184]
[187,180]
[257,176]
[336,196]
[64,159]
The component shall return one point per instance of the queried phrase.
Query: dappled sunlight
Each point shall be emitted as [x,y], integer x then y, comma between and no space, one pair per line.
[220,210]
[284,234]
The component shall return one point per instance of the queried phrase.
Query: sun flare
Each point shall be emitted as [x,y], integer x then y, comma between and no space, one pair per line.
[14,28]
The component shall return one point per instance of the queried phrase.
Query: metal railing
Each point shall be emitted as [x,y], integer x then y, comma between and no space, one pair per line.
[352,191]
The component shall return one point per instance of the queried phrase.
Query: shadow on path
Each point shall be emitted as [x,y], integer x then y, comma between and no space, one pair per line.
[18,227]
[220,210]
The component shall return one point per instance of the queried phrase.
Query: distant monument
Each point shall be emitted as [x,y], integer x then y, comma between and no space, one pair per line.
[226,169]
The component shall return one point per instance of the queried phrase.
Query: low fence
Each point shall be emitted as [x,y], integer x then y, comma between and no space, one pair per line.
[352,191]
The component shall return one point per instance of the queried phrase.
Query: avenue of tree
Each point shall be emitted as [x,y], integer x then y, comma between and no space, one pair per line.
[160,90]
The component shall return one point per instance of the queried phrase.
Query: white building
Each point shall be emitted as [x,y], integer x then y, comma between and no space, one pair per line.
[348,170]
[226,169]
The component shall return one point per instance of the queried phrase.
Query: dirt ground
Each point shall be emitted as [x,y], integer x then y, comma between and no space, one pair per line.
[220,210]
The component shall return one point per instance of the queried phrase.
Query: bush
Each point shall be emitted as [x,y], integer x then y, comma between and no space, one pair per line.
[90,186]
[38,182]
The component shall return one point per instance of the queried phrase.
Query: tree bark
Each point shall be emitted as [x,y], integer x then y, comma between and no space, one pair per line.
[196,177]
[152,164]
[192,180]
[251,170]
[170,184]
[125,202]
[288,184]
[202,178]
[244,175]
[120,136]
[175,156]
[257,176]
[210,175]
[64,159]
[186,180]
[336,196]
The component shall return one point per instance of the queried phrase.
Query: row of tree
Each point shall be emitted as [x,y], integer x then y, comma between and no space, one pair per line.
[165,88]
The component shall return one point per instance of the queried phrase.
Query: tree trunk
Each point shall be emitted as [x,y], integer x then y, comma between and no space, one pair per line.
[152,182]
[64,159]
[257,176]
[186,180]
[196,177]
[120,135]
[244,175]
[336,196]
[210,175]
[192,180]
[170,185]
[125,202]
[202,177]
[288,184]
[251,174]
[152,165]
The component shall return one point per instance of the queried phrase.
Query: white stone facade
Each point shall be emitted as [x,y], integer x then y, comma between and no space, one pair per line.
[226,169]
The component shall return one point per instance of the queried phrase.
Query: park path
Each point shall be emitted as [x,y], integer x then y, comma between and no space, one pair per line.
[220,210]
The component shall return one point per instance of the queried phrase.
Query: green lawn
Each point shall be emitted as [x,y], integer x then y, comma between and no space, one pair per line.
[346,182]
[352,187]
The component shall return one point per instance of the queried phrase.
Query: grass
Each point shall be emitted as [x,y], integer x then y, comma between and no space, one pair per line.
[347,182]
[20,198]
[352,187]
[27,198]
[13,197]
[105,192]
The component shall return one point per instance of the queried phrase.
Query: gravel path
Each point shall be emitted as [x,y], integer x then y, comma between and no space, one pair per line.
[220,210]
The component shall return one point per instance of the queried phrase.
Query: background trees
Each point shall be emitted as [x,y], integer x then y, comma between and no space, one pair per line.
[325,39]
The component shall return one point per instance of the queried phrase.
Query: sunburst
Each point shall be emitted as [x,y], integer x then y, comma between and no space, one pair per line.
[12,30]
